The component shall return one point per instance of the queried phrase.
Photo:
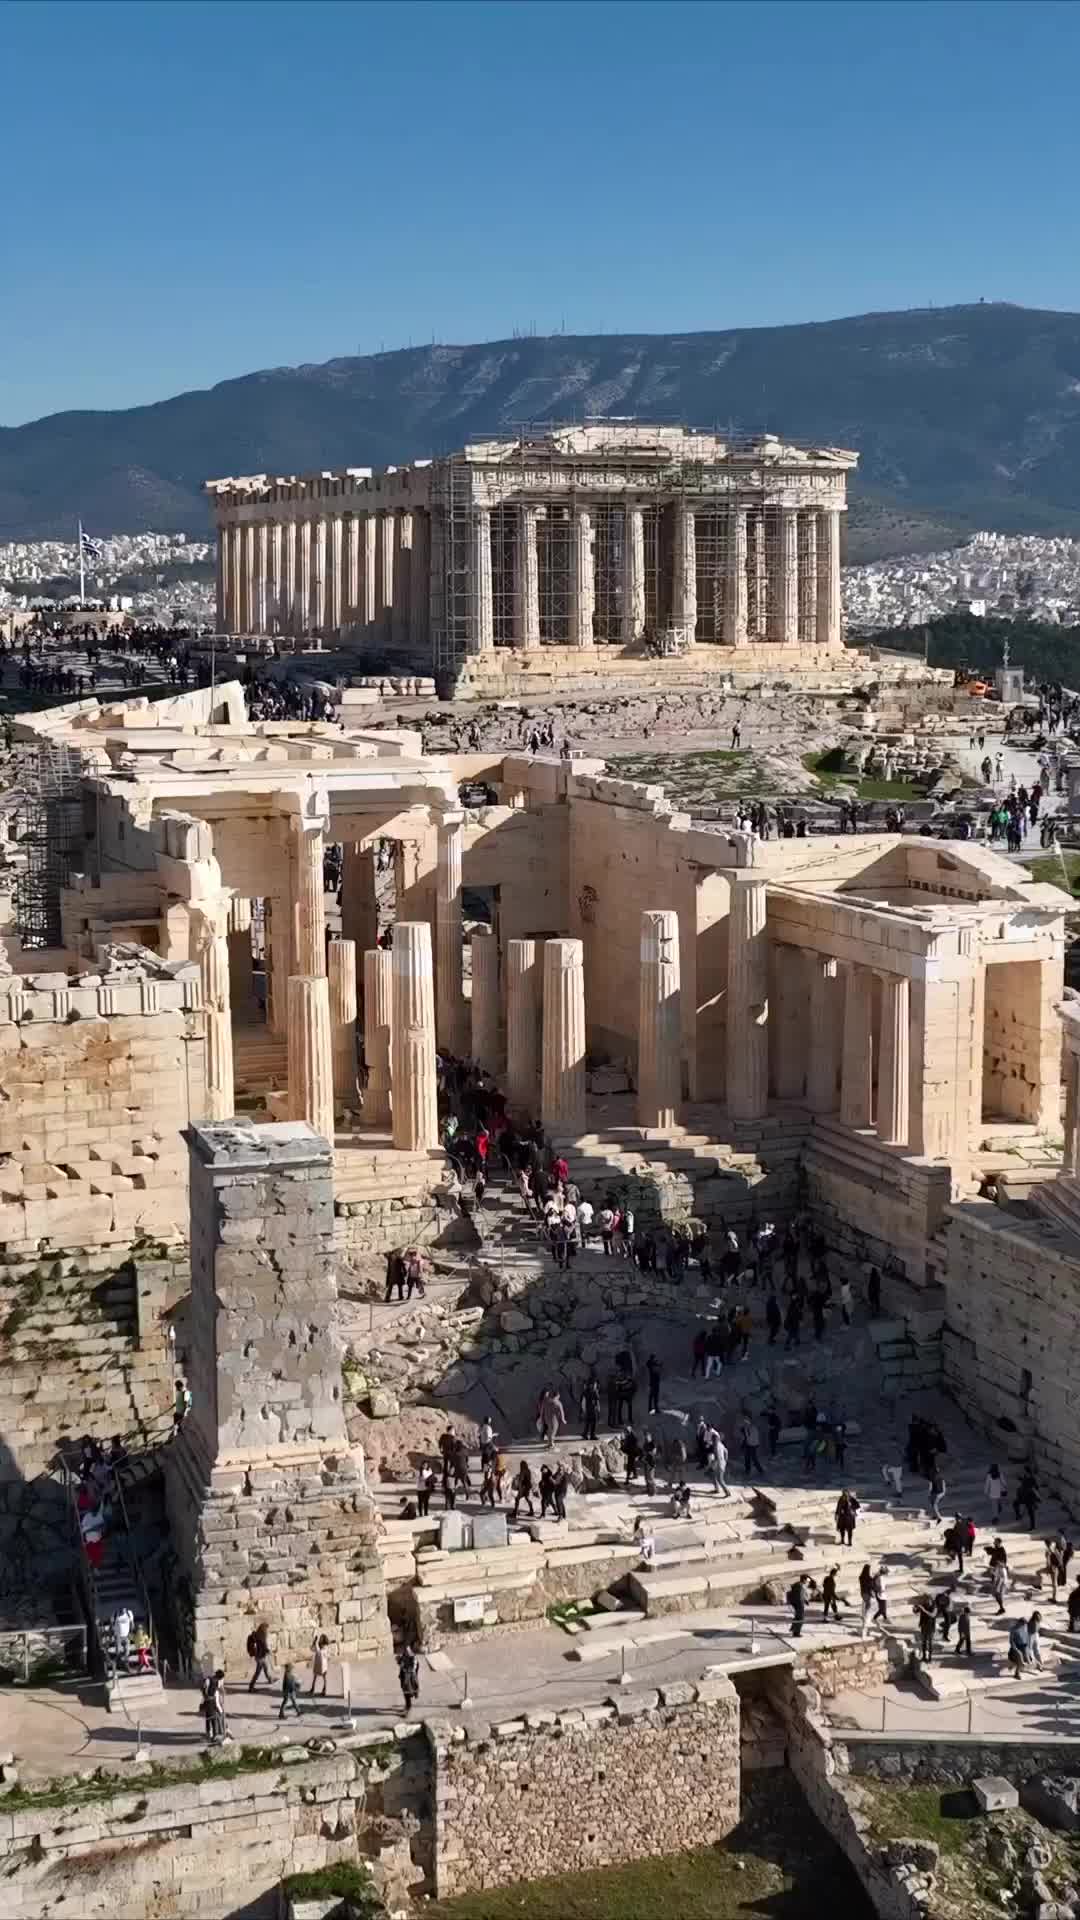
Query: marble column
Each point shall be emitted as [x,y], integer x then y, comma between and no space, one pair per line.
[747,1001]
[808,583]
[262,575]
[759,575]
[275,605]
[481,592]
[317,618]
[892,1107]
[232,612]
[221,610]
[241,960]
[369,570]
[828,578]
[384,574]
[735,598]
[420,580]
[309,935]
[526,581]
[857,1059]
[522,1024]
[310,1065]
[659,1063]
[351,589]
[784,585]
[448,934]
[304,609]
[336,574]
[247,576]
[826,999]
[484,1006]
[277,910]
[378,1002]
[562,1089]
[582,578]
[359,901]
[402,578]
[684,586]
[633,610]
[213,939]
[788,1037]
[341,974]
[412,1039]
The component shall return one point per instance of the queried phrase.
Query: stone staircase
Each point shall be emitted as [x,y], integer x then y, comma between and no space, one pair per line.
[260,1064]
[690,1173]
[383,1198]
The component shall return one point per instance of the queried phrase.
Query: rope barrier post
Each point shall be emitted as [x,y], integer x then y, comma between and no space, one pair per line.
[26,1659]
[884,1707]
[971,1713]
[625,1676]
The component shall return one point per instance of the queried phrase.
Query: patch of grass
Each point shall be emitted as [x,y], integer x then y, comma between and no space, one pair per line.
[776,1862]
[63,1792]
[1058,869]
[889,790]
[706,776]
[345,1881]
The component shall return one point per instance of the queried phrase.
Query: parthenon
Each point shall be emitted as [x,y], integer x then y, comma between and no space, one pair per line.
[578,538]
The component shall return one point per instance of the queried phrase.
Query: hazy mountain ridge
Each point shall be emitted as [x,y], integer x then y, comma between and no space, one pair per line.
[963,416]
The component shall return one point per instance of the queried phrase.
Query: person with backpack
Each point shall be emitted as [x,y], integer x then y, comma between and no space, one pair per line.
[796,1599]
[522,1489]
[258,1649]
[408,1667]
[213,1706]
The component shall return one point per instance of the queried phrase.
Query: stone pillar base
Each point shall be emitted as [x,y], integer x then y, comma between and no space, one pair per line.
[293,1543]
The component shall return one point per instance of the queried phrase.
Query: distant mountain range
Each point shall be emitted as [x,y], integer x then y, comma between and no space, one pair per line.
[963,416]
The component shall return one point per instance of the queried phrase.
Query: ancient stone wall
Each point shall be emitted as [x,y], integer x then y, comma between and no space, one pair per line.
[955,1763]
[98,1079]
[216,1847]
[644,1774]
[1013,1314]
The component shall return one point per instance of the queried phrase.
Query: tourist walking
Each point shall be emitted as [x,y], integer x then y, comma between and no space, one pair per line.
[995,1490]
[290,1691]
[320,1663]
[258,1649]
[999,1573]
[829,1594]
[847,1508]
[963,1630]
[882,1609]
[521,1486]
[1027,1497]
[751,1440]
[936,1494]
[926,1615]
[590,1405]
[717,1459]
[652,1371]
[797,1602]
[408,1667]
[866,1596]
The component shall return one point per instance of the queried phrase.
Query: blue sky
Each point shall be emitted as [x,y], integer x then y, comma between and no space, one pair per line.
[193,190]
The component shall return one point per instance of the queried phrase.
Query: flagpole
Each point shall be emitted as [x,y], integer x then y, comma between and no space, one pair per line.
[82,571]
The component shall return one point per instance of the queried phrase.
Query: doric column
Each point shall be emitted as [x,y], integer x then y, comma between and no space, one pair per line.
[241,960]
[481,594]
[359,901]
[634,574]
[350,593]
[735,606]
[448,934]
[828,578]
[412,1043]
[582,578]
[311,1073]
[857,1060]
[659,1065]
[522,1024]
[562,1092]
[369,554]
[784,585]
[402,577]
[808,583]
[213,948]
[892,1113]
[221,610]
[293,539]
[420,580]
[304,596]
[484,1043]
[318,583]
[788,1037]
[759,575]
[824,1034]
[378,1003]
[384,573]
[232,611]
[684,586]
[277,932]
[262,570]
[310,910]
[275,604]
[526,581]
[747,1001]
[248,576]
[341,974]
[336,573]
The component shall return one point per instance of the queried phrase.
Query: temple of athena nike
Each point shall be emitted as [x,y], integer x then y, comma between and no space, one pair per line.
[563,550]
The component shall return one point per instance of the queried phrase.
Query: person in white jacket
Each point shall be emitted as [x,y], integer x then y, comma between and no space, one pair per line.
[995,1490]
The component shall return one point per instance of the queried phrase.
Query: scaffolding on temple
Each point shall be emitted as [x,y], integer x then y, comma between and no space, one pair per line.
[48,832]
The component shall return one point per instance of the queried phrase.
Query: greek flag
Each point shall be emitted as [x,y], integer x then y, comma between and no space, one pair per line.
[91,549]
